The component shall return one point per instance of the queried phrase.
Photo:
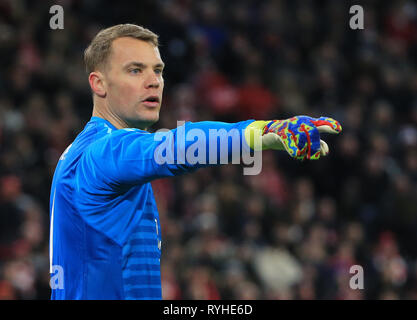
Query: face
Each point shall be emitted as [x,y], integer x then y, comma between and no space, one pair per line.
[133,82]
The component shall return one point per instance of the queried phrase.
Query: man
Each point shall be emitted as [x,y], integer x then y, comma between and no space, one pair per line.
[105,236]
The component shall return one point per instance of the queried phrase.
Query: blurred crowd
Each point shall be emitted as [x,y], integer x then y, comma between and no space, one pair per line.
[291,232]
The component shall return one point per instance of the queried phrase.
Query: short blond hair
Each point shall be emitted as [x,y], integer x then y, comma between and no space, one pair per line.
[97,53]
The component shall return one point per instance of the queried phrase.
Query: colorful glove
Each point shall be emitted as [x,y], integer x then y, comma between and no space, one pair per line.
[299,136]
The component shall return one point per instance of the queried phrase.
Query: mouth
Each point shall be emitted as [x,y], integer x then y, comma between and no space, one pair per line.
[151,101]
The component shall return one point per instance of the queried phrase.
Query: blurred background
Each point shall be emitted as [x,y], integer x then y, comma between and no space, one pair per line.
[291,232]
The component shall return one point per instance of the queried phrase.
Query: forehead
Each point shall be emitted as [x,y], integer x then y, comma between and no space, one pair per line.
[128,49]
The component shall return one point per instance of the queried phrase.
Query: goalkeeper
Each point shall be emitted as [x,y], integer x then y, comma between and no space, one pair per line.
[105,235]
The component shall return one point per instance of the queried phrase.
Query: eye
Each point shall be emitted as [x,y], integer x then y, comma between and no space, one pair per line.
[158,71]
[135,71]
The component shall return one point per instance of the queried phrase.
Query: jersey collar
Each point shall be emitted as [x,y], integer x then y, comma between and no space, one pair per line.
[101,120]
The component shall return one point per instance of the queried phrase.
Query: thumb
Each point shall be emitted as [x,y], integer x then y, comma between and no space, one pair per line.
[324,148]
[327,125]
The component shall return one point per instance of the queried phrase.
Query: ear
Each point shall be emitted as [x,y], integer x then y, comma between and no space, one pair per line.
[97,83]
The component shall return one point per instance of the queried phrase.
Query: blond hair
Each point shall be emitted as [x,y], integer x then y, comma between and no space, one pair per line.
[97,53]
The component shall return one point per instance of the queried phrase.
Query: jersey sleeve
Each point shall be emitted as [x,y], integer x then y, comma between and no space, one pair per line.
[133,156]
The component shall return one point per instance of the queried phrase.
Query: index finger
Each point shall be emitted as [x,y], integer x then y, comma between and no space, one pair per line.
[328,125]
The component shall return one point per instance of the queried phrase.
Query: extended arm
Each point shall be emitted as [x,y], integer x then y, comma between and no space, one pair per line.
[132,156]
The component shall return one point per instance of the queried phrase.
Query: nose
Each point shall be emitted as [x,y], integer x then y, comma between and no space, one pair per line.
[153,80]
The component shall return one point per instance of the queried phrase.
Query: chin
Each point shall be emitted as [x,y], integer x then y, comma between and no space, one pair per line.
[145,123]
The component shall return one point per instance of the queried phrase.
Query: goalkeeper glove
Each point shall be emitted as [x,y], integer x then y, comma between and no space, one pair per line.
[299,136]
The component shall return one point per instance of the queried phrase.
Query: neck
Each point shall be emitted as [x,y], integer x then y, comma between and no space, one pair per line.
[113,120]
[102,111]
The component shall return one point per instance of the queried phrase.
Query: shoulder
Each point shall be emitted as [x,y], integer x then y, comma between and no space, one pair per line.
[119,143]
[120,136]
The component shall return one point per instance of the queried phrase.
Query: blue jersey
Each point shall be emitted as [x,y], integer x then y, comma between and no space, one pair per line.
[105,236]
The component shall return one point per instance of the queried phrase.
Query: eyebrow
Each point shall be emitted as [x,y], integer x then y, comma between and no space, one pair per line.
[142,65]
